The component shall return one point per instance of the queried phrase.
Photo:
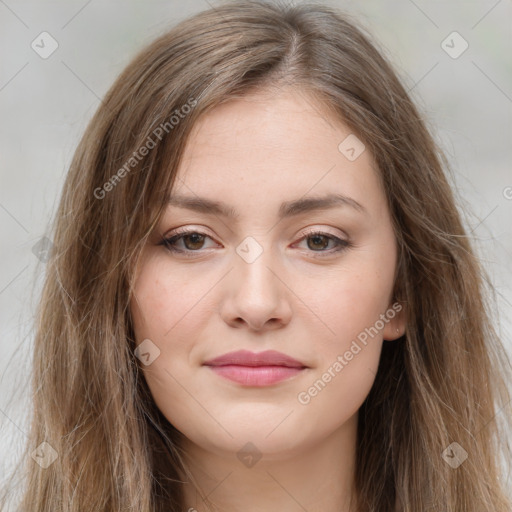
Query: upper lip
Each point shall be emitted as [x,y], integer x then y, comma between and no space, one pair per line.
[247,358]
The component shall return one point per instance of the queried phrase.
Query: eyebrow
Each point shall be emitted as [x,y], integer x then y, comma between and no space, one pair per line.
[287,208]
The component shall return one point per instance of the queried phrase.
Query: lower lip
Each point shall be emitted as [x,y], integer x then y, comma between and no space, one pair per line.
[256,375]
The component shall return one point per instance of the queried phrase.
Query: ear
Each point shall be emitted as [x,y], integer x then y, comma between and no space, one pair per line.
[395,327]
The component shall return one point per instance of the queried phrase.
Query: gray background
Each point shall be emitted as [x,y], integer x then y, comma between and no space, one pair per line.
[45,105]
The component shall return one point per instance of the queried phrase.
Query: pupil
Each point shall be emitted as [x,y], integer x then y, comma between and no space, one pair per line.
[317,237]
[196,238]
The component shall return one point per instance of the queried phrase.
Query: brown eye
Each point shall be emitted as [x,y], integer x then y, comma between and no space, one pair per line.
[193,241]
[318,242]
[186,242]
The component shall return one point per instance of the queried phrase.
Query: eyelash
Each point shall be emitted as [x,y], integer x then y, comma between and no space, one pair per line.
[169,241]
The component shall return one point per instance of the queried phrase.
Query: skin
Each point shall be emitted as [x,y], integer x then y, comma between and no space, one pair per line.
[254,153]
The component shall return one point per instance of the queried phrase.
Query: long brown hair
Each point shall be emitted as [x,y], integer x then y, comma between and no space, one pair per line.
[442,383]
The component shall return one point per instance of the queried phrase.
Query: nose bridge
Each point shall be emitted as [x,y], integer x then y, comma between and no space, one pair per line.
[254,261]
[257,295]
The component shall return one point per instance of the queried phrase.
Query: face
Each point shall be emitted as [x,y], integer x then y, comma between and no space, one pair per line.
[267,269]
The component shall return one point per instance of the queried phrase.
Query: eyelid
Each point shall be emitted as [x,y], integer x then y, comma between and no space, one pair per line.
[189,228]
[309,230]
[185,230]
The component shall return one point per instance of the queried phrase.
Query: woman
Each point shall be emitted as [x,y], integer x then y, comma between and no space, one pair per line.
[261,295]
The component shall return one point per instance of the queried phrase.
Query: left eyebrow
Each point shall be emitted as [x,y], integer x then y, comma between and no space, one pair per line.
[307,204]
[287,208]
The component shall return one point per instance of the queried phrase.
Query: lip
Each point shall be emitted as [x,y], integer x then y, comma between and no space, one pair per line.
[255,369]
[247,358]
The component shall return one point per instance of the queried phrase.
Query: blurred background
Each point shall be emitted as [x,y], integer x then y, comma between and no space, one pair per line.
[58,59]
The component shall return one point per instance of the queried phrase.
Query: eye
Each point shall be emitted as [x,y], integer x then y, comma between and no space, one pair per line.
[318,241]
[185,241]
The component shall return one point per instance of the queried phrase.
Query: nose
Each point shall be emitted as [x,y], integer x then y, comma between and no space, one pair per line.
[257,295]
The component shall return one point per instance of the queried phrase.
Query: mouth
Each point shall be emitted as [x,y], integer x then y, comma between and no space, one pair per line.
[256,369]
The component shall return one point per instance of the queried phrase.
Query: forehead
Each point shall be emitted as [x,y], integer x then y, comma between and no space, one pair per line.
[264,125]
[273,148]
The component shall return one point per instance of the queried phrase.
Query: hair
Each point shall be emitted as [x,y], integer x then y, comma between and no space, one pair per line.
[443,381]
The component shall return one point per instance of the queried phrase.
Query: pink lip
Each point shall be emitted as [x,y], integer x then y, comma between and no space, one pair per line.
[250,369]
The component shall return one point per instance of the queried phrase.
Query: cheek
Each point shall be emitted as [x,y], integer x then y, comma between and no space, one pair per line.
[166,301]
[171,321]
[348,303]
